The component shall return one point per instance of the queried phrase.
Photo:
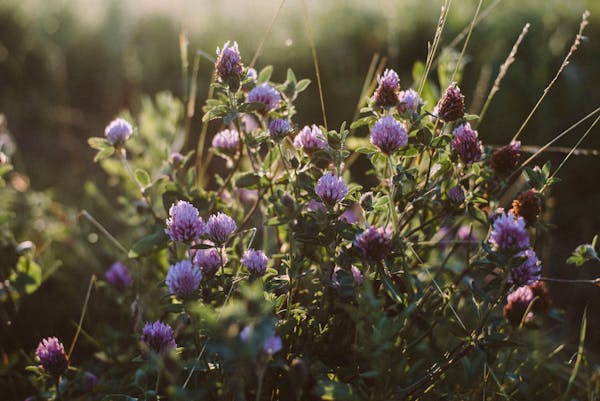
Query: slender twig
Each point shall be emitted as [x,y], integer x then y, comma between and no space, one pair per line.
[464,48]
[104,231]
[83,312]
[313,49]
[266,35]
[574,47]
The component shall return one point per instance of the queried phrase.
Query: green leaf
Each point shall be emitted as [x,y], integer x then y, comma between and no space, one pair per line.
[27,276]
[98,143]
[265,74]
[302,85]
[143,177]
[150,243]
[291,77]
[104,153]
[248,180]
[330,390]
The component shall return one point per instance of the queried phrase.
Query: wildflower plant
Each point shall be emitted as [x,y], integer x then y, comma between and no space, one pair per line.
[318,287]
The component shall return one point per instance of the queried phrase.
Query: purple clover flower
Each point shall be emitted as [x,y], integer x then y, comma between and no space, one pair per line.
[51,354]
[386,94]
[527,272]
[509,233]
[316,206]
[118,131]
[356,275]
[251,74]
[279,128]
[466,144]
[159,337]
[374,243]
[255,261]
[265,94]
[183,279]
[175,159]
[352,215]
[220,227]
[118,276]
[310,139]
[331,189]
[456,195]
[389,135]
[227,141]
[229,65]
[184,223]
[409,100]
[517,304]
[451,106]
[209,260]
[272,345]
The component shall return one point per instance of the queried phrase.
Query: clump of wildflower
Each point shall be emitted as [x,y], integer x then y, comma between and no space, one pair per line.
[451,106]
[183,279]
[220,227]
[386,94]
[456,195]
[158,337]
[265,94]
[209,260]
[389,135]
[52,356]
[528,206]
[279,129]
[229,66]
[527,272]
[509,233]
[409,100]
[516,307]
[466,144]
[118,132]
[542,301]
[374,243]
[504,160]
[331,189]
[227,142]
[255,261]
[184,223]
[310,139]
[118,276]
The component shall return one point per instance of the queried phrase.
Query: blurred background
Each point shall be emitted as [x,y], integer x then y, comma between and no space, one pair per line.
[68,67]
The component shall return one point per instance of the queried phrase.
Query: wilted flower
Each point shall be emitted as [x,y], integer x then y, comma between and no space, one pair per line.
[310,139]
[229,66]
[118,131]
[389,135]
[272,345]
[456,195]
[374,243]
[118,276]
[51,354]
[509,233]
[255,261]
[386,94]
[528,206]
[183,279]
[227,142]
[184,223]
[266,95]
[466,144]
[209,260]
[451,106]
[159,337]
[542,301]
[279,128]
[331,189]
[409,100]
[504,160]
[527,272]
[220,227]
[518,302]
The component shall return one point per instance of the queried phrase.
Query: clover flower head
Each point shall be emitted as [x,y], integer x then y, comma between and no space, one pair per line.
[389,135]
[509,233]
[310,139]
[265,94]
[227,141]
[386,94]
[183,279]
[229,63]
[184,223]
[220,227]
[159,337]
[52,356]
[451,106]
[409,100]
[456,195]
[255,261]
[118,276]
[209,260]
[527,272]
[466,144]
[528,206]
[505,159]
[374,243]
[517,303]
[331,189]
[272,345]
[279,128]
[118,131]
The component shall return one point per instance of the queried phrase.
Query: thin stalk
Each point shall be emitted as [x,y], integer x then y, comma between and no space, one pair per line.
[266,35]
[141,188]
[464,48]
[104,231]
[83,312]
